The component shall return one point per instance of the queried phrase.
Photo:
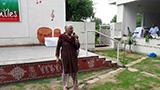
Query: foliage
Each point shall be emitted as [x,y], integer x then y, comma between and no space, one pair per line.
[131,40]
[139,18]
[79,10]
[114,19]
[98,22]
[97,37]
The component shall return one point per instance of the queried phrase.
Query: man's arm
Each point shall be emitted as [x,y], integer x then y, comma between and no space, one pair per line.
[149,32]
[157,30]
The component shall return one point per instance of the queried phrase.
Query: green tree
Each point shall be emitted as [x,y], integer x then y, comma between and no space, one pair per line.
[130,40]
[139,18]
[98,22]
[79,10]
[114,19]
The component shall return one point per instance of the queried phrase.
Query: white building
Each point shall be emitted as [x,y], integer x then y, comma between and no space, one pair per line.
[126,17]
[34,14]
[127,12]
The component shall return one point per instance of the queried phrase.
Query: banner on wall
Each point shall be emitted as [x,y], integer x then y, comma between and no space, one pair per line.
[9,11]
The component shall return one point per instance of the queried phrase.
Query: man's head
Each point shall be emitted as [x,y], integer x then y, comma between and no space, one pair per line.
[69,29]
[153,25]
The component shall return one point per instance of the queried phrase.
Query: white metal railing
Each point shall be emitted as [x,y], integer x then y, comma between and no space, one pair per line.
[105,36]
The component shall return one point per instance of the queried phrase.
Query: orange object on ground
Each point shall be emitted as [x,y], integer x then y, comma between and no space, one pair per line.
[57,32]
[42,33]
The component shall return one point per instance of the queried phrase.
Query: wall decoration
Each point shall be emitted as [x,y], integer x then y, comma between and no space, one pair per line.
[9,11]
[38,1]
[56,66]
[57,32]
[22,72]
[32,72]
[2,77]
[91,63]
[42,33]
[46,68]
[52,15]
[2,71]
[17,73]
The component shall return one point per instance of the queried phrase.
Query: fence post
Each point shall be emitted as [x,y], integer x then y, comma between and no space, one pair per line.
[105,36]
[117,53]
[86,43]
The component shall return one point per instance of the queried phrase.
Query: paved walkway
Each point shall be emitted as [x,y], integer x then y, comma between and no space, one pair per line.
[112,73]
[103,48]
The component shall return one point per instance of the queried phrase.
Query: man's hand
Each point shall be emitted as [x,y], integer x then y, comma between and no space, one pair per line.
[157,32]
[76,36]
[57,59]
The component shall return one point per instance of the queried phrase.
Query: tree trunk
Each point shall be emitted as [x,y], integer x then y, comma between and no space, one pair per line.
[129,49]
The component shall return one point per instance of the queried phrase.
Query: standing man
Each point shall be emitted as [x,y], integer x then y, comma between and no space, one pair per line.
[69,45]
[153,32]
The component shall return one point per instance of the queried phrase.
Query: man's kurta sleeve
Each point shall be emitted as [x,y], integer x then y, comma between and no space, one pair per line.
[59,44]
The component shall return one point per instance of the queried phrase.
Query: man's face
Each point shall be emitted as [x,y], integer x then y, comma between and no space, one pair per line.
[153,25]
[70,30]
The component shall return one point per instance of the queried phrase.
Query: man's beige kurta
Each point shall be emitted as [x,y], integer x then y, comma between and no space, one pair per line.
[68,53]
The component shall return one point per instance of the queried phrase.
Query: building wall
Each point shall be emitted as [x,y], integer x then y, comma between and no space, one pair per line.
[33,16]
[80,29]
[150,18]
[127,15]
[127,11]
[104,40]
[120,16]
[120,13]
[145,47]
[116,33]
[130,15]
[118,2]
[112,1]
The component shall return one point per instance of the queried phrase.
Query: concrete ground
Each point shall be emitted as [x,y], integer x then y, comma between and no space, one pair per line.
[28,54]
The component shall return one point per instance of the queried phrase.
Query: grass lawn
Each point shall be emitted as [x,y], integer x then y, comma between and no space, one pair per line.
[128,80]
[151,65]
[129,57]
[146,78]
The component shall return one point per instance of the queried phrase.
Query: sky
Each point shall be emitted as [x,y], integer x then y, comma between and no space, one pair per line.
[104,11]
